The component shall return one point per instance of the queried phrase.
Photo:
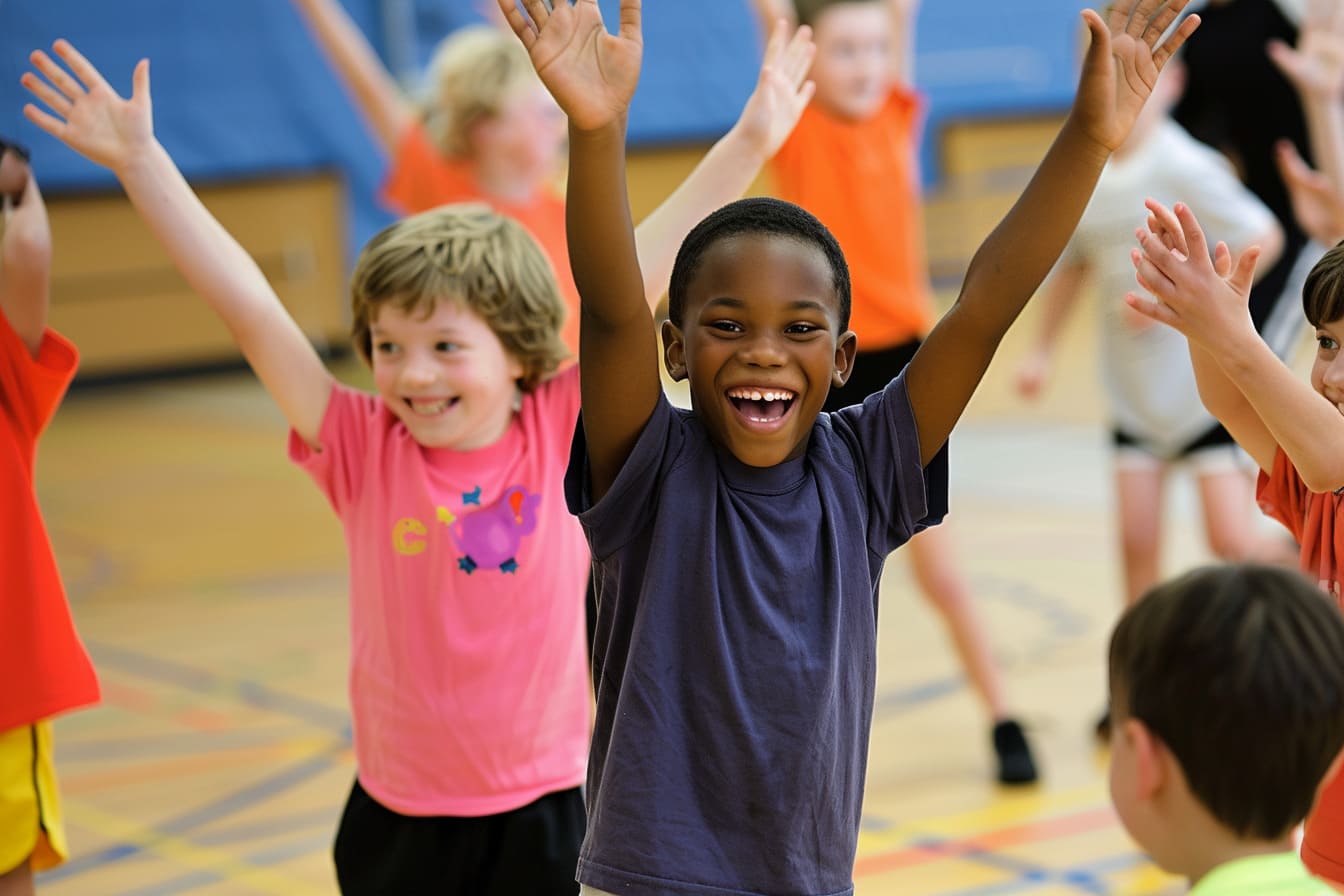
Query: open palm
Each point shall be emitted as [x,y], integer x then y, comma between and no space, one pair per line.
[1316,65]
[782,92]
[1124,58]
[592,74]
[89,115]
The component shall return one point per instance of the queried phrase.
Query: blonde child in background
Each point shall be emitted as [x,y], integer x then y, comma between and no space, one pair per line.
[468,684]
[1156,419]
[487,131]
[739,545]
[1293,430]
[43,664]
[852,162]
[1227,692]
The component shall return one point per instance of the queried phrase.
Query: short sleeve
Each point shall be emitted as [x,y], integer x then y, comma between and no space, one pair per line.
[904,496]
[33,386]
[1282,495]
[338,468]
[631,503]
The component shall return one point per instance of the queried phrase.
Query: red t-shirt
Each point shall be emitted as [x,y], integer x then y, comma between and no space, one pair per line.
[44,669]
[1316,520]
[422,178]
[860,178]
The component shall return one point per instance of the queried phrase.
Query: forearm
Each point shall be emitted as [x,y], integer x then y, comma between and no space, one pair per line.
[1308,428]
[602,249]
[374,91]
[724,174]
[902,53]
[25,271]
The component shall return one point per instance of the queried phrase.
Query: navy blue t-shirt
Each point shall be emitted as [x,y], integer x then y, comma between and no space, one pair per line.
[735,653]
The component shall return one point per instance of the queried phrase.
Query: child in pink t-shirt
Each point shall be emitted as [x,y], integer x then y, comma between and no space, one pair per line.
[468,681]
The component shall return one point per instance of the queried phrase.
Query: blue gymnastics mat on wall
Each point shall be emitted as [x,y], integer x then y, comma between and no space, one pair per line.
[241,91]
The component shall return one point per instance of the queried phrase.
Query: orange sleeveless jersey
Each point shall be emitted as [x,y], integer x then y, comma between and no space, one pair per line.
[861,179]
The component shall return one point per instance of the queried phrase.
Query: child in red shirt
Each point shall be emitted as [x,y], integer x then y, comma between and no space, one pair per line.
[43,666]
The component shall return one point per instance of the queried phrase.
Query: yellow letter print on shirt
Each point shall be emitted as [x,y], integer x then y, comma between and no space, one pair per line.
[408,536]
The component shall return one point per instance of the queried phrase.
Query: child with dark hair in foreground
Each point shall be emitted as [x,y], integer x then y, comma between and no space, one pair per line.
[738,546]
[1227,703]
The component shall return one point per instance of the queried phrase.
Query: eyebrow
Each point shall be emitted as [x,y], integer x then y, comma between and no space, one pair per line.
[797,305]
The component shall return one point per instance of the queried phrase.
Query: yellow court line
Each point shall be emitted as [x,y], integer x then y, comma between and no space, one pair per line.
[226,865]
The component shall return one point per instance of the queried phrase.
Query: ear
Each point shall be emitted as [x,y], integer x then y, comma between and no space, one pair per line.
[516,368]
[846,347]
[674,351]
[1151,758]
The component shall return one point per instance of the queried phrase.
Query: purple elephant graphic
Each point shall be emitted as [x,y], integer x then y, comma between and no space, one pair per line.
[490,536]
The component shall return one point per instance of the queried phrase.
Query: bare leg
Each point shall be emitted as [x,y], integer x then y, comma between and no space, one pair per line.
[935,571]
[1138,497]
[1227,497]
[18,882]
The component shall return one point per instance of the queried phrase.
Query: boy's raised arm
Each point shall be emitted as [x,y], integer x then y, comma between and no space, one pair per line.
[592,75]
[119,134]
[375,91]
[25,252]
[730,166]
[901,65]
[1123,60]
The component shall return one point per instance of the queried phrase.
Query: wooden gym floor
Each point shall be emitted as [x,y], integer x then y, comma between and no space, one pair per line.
[207,577]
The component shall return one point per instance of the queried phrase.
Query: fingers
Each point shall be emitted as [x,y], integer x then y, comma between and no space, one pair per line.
[1149,262]
[1165,225]
[1175,40]
[140,81]
[1222,260]
[1152,310]
[1244,274]
[82,68]
[1160,22]
[774,47]
[1194,234]
[56,75]
[1098,44]
[631,20]
[47,94]
[799,55]
[1292,167]
[49,123]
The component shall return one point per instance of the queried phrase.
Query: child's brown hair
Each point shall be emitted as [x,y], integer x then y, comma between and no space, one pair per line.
[473,255]
[1323,293]
[473,74]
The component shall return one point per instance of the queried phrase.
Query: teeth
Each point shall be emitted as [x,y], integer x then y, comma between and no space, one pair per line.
[429,408]
[759,395]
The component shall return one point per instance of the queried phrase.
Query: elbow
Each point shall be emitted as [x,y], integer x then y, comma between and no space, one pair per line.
[1323,479]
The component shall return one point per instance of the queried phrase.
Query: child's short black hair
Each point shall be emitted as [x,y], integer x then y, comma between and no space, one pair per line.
[1323,293]
[1239,670]
[756,215]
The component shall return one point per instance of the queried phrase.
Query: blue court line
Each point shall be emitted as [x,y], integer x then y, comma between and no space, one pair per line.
[292,823]
[191,678]
[189,883]
[182,825]
[159,745]
[1028,873]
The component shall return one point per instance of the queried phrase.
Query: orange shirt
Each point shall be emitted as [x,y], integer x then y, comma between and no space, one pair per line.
[861,179]
[422,178]
[44,669]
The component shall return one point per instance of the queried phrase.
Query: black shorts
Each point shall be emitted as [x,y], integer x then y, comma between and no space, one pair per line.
[533,849]
[1213,437]
[872,371]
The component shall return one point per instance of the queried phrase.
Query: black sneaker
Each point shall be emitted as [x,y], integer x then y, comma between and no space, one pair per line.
[1016,765]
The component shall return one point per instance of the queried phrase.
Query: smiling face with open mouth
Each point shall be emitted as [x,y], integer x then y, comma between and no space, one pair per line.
[444,374]
[760,344]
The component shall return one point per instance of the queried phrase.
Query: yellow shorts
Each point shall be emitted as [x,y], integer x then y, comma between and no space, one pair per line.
[30,805]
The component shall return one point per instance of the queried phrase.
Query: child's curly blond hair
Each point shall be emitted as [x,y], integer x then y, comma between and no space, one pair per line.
[473,75]
[473,255]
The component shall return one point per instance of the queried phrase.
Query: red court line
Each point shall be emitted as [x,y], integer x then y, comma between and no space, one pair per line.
[1029,832]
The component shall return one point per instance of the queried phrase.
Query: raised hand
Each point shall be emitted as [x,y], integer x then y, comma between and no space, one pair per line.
[591,74]
[1203,296]
[89,116]
[1126,54]
[1317,205]
[1316,66]
[782,91]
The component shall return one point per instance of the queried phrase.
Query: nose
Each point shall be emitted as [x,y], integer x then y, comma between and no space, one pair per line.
[418,371]
[763,350]
[1334,373]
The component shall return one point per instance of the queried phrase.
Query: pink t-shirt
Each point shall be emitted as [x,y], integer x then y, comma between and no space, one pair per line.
[468,677]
